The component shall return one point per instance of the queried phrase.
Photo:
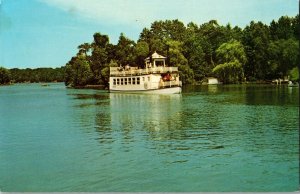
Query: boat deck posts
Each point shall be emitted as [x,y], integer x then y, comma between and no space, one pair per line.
[131,71]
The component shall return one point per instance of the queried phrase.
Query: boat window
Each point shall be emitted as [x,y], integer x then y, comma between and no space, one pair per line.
[137,80]
[118,81]
[114,81]
[129,81]
[143,79]
[125,81]
[121,81]
[148,78]
[133,80]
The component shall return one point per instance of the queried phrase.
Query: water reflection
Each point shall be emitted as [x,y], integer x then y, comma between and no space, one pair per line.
[271,95]
[229,138]
[212,88]
[166,123]
[250,94]
[180,126]
[156,114]
[90,109]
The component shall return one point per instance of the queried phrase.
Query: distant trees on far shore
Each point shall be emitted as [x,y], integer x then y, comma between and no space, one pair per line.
[16,75]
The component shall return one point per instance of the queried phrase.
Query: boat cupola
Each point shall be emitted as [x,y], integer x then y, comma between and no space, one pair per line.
[155,60]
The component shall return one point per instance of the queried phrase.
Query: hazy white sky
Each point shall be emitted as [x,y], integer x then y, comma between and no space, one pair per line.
[239,12]
[46,33]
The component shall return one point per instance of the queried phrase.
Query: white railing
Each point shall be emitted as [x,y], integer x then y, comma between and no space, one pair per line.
[166,84]
[117,71]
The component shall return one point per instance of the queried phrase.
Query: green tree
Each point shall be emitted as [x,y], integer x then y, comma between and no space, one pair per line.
[99,59]
[78,72]
[100,56]
[177,59]
[296,26]
[4,76]
[231,59]
[125,50]
[176,56]
[283,29]
[141,52]
[236,33]
[168,30]
[214,36]
[84,48]
[195,54]
[294,74]
[100,40]
[256,39]
[283,56]
[105,72]
[161,32]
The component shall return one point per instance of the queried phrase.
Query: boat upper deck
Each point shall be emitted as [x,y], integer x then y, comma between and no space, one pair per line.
[132,71]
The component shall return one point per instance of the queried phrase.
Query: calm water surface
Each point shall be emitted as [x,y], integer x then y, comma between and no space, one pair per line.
[209,138]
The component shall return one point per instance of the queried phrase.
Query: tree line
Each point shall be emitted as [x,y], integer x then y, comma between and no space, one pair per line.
[16,75]
[232,54]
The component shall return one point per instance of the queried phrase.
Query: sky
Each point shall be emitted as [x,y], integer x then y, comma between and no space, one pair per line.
[46,33]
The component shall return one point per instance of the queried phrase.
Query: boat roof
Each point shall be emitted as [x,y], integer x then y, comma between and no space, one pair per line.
[155,55]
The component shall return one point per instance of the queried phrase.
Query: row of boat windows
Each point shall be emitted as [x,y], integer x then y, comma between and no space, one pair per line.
[129,81]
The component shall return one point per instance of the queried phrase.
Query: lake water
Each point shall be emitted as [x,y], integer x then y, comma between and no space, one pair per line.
[209,138]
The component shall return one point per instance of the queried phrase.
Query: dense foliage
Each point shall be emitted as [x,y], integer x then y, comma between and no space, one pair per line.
[37,75]
[4,76]
[257,52]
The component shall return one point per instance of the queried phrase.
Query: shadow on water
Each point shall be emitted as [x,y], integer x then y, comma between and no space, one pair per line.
[272,95]
[89,97]
[249,94]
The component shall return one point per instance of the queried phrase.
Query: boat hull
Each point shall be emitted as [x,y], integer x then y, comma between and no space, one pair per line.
[172,90]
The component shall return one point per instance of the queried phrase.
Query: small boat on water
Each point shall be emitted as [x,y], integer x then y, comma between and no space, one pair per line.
[155,78]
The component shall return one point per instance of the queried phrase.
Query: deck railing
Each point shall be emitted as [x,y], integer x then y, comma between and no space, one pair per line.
[167,84]
[117,71]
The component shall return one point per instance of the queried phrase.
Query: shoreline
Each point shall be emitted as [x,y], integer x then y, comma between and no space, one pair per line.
[99,86]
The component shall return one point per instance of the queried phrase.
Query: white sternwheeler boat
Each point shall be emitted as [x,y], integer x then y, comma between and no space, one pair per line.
[155,78]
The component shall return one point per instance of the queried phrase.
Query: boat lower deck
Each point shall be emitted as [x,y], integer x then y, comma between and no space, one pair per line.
[170,90]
